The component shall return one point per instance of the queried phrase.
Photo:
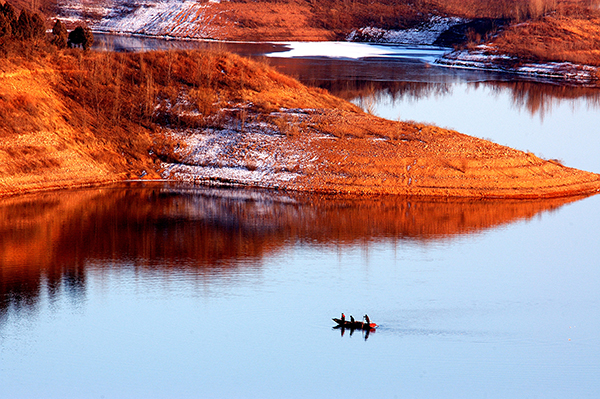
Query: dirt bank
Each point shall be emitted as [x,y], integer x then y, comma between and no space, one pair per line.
[73,119]
[355,153]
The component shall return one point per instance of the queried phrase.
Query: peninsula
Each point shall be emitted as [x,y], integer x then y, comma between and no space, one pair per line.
[71,118]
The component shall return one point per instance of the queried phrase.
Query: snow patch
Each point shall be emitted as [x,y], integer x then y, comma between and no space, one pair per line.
[425,33]
[333,50]
[255,154]
[355,51]
[483,57]
[179,18]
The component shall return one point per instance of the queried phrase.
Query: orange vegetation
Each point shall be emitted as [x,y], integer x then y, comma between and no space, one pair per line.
[320,20]
[317,20]
[334,19]
[97,117]
[572,35]
[37,147]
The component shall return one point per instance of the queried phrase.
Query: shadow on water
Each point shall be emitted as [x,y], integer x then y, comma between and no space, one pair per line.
[47,241]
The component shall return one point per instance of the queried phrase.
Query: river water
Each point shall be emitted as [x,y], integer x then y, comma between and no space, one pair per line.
[161,291]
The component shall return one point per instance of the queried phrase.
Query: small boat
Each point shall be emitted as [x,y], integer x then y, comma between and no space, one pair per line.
[353,324]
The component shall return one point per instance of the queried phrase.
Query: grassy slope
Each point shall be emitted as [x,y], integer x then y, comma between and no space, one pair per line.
[52,136]
[573,36]
[331,19]
[318,20]
[38,147]
[71,118]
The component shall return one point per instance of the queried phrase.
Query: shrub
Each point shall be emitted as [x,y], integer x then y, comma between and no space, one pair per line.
[30,26]
[60,34]
[81,36]
[10,14]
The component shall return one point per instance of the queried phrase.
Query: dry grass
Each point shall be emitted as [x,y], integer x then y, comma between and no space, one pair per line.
[334,19]
[572,35]
[38,149]
[516,10]
[95,117]
[108,109]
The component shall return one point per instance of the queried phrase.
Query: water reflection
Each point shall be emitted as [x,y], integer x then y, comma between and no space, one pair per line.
[537,99]
[48,241]
[540,99]
[365,333]
[130,43]
[374,80]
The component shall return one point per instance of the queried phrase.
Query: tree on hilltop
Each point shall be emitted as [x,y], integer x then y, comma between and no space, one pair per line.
[59,30]
[81,36]
[9,13]
[30,26]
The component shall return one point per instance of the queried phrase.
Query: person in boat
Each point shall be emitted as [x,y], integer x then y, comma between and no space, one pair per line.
[368,323]
[355,324]
[341,321]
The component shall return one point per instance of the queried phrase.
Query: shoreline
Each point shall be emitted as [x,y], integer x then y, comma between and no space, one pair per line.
[267,130]
[327,193]
[551,72]
[343,152]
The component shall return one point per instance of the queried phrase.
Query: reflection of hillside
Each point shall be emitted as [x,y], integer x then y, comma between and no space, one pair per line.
[538,99]
[49,240]
[383,91]
[350,79]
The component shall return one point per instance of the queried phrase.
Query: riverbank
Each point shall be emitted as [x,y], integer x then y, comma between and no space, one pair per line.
[348,152]
[483,57]
[219,119]
[560,46]
[556,40]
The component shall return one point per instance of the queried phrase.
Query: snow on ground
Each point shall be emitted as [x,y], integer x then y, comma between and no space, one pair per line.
[483,57]
[425,33]
[186,18]
[255,154]
[176,18]
[333,50]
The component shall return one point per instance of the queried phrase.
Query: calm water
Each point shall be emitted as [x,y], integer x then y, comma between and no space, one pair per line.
[166,291]
[173,292]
